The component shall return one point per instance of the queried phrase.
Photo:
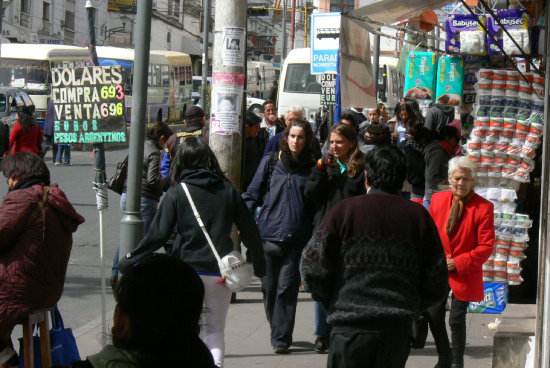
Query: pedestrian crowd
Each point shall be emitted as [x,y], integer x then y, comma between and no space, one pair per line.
[377,219]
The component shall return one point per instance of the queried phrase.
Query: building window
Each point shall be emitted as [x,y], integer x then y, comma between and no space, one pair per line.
[26,6]
[45,12]
[170,4]
[69,20]
[342,5]
[177,8]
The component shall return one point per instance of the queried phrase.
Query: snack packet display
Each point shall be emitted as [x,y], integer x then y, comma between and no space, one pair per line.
[420,76]
[465,35]
[516,22]
[450,80]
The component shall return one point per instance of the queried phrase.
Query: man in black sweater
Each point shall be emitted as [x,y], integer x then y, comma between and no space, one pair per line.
[375,263]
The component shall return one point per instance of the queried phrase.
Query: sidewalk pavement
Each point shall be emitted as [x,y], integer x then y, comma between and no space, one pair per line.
[247,337]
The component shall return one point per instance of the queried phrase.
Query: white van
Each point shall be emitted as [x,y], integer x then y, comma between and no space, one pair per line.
[298,86]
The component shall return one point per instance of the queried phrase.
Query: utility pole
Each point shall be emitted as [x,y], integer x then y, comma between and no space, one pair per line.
[205,46]
[376,64]
[131,224]
[228,77]
[283,56]
[292,24]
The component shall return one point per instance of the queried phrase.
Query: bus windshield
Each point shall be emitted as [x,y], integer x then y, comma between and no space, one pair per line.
[22,73]
[299,79]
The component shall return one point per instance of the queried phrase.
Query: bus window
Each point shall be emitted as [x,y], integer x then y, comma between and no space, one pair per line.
[299,79]
[2,103]
[20,72]
[165,75]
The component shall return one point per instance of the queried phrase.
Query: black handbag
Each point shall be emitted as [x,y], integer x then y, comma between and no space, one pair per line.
[116,182]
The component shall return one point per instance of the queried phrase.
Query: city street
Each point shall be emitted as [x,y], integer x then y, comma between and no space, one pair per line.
[247,332]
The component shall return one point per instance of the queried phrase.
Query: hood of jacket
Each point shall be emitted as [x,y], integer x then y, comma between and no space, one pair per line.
[447,110]
[58,202]
[200,177]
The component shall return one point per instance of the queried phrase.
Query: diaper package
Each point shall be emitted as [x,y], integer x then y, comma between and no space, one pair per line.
[516,21]
[450,78]
[420,75]
[465,35]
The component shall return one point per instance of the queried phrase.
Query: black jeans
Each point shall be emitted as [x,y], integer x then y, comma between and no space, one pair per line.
[369,350]
[280,291]
[457,322]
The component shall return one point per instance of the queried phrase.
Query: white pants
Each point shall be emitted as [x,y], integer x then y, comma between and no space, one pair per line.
[216,304]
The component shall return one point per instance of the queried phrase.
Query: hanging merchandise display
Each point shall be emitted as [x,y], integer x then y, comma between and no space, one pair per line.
[516,22]
[420,75]
[508,126]
[465,35]
[450,80]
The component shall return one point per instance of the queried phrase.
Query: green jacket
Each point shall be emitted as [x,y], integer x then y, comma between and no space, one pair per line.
[112,356]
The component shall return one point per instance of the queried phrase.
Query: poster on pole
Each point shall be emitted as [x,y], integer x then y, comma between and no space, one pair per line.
[227,96]
[88,105]
[328,89]
[233,46]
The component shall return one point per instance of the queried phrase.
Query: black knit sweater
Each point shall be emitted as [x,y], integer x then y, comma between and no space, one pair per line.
[375,262]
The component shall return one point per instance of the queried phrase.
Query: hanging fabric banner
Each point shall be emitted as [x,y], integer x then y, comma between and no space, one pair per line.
[357,85]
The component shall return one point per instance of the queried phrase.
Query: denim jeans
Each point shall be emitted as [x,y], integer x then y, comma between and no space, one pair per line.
[63,151]
[148,210]
[322,328]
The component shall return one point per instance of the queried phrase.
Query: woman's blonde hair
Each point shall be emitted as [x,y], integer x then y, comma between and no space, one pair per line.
[356,162]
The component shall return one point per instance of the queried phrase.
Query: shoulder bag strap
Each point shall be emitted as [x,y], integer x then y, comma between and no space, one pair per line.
[201,224]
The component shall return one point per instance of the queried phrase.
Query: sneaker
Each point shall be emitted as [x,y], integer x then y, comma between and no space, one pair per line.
[57,164]
[321,345]
[67,164]
[281,349]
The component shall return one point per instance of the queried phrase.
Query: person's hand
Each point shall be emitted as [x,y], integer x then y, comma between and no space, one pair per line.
[450,265]
[325,161]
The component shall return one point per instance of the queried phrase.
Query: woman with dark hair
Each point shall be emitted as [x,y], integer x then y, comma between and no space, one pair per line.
[26,135]
[36,226]
[220,206]
[340,174]
[285,225]
[151,182]
[156,321]
[406,120]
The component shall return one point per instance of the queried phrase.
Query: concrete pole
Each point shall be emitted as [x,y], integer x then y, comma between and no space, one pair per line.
[205,46]
[283,56]
[131,224]
[375,65]
[292,24]
[542,332]
[226,142]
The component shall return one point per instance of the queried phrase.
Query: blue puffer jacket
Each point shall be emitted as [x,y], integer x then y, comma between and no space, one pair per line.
[284,215]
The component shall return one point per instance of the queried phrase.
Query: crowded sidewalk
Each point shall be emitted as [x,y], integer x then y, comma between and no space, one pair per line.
[247,337]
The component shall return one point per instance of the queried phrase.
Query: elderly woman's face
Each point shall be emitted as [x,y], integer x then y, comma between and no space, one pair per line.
[462,182]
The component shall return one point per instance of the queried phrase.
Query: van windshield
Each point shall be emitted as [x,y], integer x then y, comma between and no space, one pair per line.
[299,79]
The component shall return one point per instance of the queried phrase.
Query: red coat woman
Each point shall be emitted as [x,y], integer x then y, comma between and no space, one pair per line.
[466,227]
[26,134]
[36,226]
